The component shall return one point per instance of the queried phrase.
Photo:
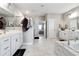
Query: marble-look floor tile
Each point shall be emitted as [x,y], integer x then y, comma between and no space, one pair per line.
[41,47]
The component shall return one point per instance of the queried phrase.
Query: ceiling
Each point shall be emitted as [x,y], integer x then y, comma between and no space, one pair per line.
[44,8]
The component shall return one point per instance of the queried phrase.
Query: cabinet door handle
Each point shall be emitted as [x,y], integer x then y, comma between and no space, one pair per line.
[16,39]
[6,48]
[6,40]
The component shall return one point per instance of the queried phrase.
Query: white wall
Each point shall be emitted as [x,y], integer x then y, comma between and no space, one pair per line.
[28,37]
[53,21]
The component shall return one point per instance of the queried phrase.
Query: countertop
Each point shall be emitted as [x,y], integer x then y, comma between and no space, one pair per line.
[9,33]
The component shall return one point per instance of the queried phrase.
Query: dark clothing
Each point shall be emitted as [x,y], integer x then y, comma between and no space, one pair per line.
[2,23]
[25,23]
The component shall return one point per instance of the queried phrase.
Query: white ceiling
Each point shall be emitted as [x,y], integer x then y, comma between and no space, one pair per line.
[36,9]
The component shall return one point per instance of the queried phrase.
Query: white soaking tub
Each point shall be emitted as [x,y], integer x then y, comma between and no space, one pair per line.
[63,49]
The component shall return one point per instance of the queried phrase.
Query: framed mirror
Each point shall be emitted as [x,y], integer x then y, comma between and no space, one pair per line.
[73,24]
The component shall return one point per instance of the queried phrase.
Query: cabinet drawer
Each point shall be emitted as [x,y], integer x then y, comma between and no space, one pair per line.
[5,48]
[5,42]
[6,54]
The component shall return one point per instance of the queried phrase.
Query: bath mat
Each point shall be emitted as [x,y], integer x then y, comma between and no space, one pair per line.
[36,37]
[19,52]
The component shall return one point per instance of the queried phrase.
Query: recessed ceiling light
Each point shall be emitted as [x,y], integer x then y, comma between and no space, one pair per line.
[27,12]
[42,5]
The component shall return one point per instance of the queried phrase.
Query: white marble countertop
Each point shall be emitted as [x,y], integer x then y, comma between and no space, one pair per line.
[9,33]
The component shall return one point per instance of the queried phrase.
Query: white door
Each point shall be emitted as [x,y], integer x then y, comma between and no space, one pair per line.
[51,28]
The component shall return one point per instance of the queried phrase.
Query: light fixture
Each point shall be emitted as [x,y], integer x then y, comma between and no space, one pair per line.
[4,4]
[73,15]
[42,5]
[27,12]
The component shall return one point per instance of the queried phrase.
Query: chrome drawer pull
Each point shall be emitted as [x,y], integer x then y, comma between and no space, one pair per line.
[6,48]
[16,40]
[6,40]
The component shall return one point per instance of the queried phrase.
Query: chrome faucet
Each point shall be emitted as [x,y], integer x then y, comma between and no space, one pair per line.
[4,31]
[68,42]
[76,39]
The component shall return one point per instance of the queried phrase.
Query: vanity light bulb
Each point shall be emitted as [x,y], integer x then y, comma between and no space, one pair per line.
[27,12]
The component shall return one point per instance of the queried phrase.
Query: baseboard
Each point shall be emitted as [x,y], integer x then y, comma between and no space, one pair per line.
[27,43]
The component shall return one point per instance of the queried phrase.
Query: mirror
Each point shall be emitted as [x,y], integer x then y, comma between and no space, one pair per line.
[73,24]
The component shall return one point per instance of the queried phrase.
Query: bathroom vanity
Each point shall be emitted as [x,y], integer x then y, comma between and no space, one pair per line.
[10,42]
[70,44]
[68,34]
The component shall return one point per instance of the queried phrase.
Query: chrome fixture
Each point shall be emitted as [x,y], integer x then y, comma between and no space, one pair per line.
[68,42]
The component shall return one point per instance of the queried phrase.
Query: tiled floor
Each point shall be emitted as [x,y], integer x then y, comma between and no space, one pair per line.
[41,47]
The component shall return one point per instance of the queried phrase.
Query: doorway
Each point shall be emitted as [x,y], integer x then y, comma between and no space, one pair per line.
[40,30]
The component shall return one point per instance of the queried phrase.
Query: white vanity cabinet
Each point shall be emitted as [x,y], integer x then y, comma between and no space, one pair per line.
[63,35]
[9,43]
[20,38]
[67,34]
[5,46]
[72,34]
[13,44]
[16,42]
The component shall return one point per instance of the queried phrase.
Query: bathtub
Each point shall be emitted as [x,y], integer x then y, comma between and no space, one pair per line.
[63,49]
[74,45]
